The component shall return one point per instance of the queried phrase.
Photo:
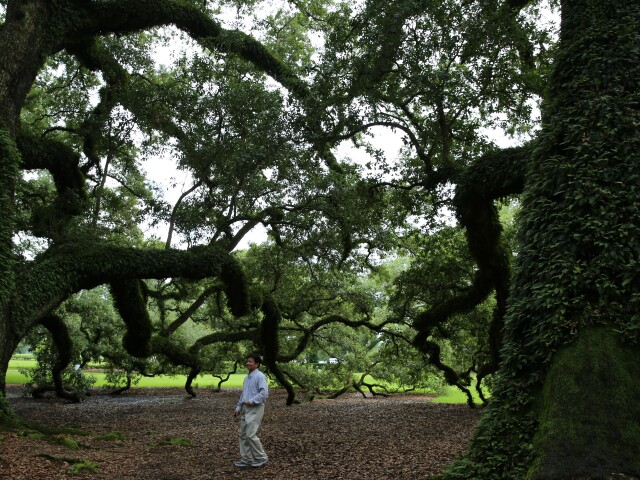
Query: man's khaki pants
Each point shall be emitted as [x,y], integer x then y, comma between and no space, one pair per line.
[250,445]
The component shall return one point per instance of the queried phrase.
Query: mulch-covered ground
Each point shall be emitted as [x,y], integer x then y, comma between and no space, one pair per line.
[398,437]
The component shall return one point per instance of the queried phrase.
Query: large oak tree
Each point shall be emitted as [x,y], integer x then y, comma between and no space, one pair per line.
[82,38]
[567,322]
[564,406]
[92,103]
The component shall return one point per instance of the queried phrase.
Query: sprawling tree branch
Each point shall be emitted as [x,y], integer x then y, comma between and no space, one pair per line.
[66,269]
[186,315]
[132,306]
[493,176]
[63,164]
[308,332]
[135,15]
[62,341]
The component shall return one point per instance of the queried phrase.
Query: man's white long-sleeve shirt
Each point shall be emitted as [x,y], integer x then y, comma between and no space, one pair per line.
[254,389]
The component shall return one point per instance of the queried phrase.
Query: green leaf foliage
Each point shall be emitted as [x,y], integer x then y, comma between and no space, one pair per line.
[387,258]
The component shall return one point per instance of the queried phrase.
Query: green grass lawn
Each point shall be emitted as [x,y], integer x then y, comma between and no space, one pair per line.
[21,363]
[455,395]
[451,394]
[235,381]
[15,377]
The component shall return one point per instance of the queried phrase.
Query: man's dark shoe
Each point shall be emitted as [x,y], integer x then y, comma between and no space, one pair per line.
[242,464]
[259,463]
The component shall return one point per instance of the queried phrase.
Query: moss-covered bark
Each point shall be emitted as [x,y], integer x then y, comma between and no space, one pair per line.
[72,267]
[9,161]
[564,371]
[135,15]
[588,410]
[132,305]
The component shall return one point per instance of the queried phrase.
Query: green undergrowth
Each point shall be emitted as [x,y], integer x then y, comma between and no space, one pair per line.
[181,442]
[111,437]
[64,440]
[68,430]
[16,377]
[77,465]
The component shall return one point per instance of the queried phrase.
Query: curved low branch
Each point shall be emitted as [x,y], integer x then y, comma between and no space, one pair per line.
[132,306]
[186,315]
[193,373]
[136,15]
[217,337]
[494,175]
[307,332]
[62,341]
[63,164]
[177,354]
[125,387]
[450,375]
[222,379]
[71,267]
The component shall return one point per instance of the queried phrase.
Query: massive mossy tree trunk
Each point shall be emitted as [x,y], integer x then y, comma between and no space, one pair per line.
[21,56]
[566,406]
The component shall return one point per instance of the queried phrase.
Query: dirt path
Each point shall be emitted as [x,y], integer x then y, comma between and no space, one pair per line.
[401,437]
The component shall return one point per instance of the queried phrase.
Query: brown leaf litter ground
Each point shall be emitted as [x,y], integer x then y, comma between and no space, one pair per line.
[397,437]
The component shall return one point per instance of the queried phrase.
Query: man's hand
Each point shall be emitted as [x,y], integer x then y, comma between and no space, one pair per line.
[236,413]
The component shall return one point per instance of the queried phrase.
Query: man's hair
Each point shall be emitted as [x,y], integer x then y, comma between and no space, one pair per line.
[256,358]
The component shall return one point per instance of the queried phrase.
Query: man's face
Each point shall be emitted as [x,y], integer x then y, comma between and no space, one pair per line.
[251,364]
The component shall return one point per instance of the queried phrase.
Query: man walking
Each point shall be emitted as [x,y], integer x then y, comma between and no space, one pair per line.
[250,409]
